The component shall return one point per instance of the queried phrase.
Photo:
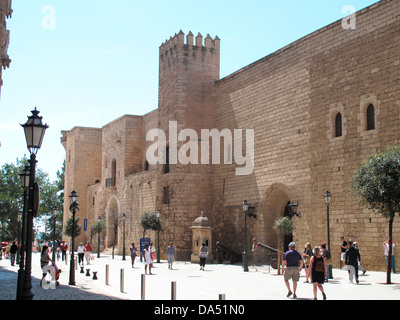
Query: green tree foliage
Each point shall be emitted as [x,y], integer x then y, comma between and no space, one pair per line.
[377,184]
[98,227]
[149,221]
[283,226]
[11,197]
[68,228]
[11,200]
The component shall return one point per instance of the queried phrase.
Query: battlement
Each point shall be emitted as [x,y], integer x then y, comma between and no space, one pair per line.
[5,8]
[188,42]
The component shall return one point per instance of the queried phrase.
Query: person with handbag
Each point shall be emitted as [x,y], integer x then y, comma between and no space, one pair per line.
[203,253]
[318,272]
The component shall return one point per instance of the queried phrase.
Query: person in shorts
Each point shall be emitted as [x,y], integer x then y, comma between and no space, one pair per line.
[171,255]
[291,266]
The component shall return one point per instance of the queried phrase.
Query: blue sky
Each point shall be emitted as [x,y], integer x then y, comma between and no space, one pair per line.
[88,62]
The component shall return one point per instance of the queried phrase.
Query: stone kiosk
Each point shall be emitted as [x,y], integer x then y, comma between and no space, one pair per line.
[201,232]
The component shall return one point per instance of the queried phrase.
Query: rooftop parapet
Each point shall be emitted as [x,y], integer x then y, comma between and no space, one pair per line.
[5,8]
[179,40]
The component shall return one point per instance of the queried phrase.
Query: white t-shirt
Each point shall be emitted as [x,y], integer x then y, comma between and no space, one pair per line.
[81,249]
[386,246]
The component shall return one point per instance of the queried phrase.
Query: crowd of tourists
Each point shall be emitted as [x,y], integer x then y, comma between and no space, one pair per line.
[317,264]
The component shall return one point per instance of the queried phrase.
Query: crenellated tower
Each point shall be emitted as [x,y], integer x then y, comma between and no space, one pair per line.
[189,67]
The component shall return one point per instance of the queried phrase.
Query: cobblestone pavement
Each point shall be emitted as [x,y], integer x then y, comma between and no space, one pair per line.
[191,284]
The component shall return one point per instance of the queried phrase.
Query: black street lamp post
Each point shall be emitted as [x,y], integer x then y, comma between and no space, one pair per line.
[123,218]
[249,213]
[245,210]
[73,208]
[54,239]
[327,198]
[20,214]
[158,213]
[98,237]
[21,271]
[34,133]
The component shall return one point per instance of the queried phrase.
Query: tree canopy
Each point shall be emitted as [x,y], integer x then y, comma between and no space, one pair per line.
[149,221]
[11,199]
[377,184]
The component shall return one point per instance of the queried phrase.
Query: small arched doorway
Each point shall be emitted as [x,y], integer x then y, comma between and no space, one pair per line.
[112,223]
[288,238]
[273,207]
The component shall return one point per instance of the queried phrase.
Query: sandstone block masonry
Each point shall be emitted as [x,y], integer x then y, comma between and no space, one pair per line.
[5,12]
[318,107]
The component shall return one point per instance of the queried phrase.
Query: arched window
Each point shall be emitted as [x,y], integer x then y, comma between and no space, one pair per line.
[114,172]
[146,166]
[338,125]
[371,117]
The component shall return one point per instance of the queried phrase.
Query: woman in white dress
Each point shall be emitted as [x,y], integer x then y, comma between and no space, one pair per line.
[146,255]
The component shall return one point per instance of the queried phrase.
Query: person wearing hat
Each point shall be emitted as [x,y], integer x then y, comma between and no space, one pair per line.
[293,262]
[81,253]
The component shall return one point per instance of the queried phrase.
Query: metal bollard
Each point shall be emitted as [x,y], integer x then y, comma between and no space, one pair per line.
[107,274]
[122,281]
[143,285]
[222,296]
[173,290]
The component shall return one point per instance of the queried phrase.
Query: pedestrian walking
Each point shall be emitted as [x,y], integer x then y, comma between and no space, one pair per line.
[81,253]
[13,253]
[152,250]
[170,255]
[360,267]
[307,254]
[352,257]
[133,254]
[386,247]
[343,248]
[35,246]
[254,250]
[325,253]
[64,248]
[146,255]
[45,259]
[88,252]
[203,253]
[293,262]
[318,272]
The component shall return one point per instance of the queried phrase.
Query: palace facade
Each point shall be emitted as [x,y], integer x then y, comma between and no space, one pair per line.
[317,108]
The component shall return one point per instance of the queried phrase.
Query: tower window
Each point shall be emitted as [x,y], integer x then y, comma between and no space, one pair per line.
[114,172]
[338,125]
[166,166]
[371,117]
[165,199]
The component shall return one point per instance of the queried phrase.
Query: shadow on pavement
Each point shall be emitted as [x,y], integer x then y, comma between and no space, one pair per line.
[8,289]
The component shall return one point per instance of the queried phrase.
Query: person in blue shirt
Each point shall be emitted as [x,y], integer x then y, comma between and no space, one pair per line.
[293,262]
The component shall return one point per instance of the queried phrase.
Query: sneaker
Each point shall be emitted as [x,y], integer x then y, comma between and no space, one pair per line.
[289,294]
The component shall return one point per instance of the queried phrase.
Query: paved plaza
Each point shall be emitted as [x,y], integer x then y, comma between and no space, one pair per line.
[191,284]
